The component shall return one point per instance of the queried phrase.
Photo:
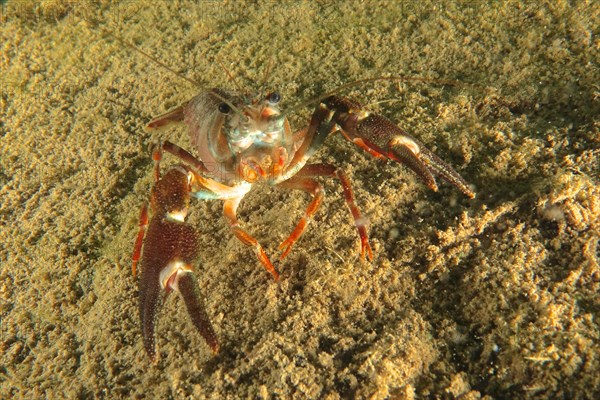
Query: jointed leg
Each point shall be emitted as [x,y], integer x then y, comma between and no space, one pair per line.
[359,221]
[229,210]
[216,189]
[179,153]
[321,125]
[137,248]
[204,187]
[315,189]
[184,156]
[303,181]
[143,220]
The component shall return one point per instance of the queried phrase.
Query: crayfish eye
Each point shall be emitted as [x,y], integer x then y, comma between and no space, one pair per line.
[224,108]
[273,97]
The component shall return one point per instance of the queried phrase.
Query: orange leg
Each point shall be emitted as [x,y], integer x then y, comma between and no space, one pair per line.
[137,249]
[157,157]
[184,156]
[229,210]
[178,152]
[220,190]
[359,221]
[315,189]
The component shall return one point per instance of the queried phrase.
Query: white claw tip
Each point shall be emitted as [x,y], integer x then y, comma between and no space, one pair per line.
[406,142]
[177,215]
[169,275]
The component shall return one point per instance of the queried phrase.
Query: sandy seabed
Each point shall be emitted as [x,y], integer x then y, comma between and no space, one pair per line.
[496,297]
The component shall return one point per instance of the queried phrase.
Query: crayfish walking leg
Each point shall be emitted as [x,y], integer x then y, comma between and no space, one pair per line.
[303,180]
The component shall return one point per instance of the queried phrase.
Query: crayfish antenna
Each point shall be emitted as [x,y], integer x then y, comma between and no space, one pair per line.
[96,25]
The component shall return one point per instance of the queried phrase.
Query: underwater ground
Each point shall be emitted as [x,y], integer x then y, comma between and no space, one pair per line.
[495,297]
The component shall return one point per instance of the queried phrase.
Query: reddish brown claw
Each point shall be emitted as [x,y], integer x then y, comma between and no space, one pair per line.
[169,249]
[382,138]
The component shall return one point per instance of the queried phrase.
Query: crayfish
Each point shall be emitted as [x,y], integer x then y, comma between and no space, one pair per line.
[239,142]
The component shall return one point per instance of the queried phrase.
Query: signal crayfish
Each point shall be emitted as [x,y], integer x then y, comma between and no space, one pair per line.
[241,141]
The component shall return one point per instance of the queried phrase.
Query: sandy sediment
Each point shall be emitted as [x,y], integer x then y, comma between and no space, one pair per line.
[495,297]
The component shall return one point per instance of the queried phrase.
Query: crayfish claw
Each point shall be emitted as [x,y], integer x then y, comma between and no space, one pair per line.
[425,163]
[190,292]
[382,138]
[410,156]
[150,300]
[170,246]
[441,168]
